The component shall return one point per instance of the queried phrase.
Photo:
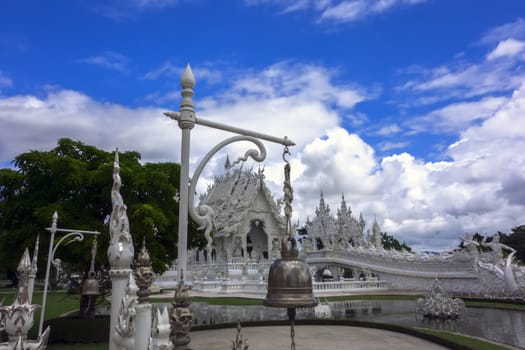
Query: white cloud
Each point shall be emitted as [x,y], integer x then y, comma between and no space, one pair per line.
[389,145]
[455,117]
[337,11]
[506,48]
[109,60]
[514,30]
[5,81]
[427,204]
[500,71]
[388,130]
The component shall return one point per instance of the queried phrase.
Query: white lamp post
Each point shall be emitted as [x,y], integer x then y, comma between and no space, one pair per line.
[186,119]
[72,236]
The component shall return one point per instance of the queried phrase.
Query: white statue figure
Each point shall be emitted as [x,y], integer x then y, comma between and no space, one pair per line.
[496,248]
[469,244]
[161,330]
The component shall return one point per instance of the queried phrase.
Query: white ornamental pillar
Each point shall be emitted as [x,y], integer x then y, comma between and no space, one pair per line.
[120,251]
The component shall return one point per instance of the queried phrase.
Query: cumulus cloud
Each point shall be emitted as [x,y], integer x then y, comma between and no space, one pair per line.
[428,204]
[109,60]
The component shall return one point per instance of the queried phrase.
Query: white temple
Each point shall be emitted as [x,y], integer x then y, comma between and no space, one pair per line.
[248,226]
[247,218]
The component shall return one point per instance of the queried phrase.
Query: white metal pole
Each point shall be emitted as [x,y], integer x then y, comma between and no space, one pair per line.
[53,230]
[183,203]
[186,123]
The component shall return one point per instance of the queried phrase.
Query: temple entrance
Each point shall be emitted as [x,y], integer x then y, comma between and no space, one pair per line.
[257,241]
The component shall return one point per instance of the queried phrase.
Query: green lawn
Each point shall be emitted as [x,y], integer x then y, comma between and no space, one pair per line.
[57,303]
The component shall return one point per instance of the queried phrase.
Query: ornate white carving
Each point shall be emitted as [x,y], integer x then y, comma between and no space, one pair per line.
[124,333]
[17,319]
[438,304]
[120,251]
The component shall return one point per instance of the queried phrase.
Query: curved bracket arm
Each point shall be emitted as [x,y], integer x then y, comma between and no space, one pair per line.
[205,215]
[71,237]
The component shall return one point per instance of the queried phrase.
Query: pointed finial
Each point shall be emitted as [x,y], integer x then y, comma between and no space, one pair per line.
[188,80]
[25,263]
[55,218]
[35,255]
[116,163]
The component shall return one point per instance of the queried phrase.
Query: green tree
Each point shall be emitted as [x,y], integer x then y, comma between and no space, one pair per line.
[75,180]
[390,242]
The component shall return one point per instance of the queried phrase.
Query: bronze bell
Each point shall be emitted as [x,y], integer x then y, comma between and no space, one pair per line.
[290,280]
[90,286]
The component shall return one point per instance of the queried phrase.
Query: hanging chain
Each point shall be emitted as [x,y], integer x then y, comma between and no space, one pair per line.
[291,317]
[93,256]
[288,192]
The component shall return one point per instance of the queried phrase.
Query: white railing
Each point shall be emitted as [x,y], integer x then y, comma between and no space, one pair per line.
[345,286]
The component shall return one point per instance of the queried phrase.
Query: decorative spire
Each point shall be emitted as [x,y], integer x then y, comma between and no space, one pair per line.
[188,80]
[18,318]
[34,267]
[182,295]
[240,343]
[144,274]
[187,111]
[227,164]
[120,251]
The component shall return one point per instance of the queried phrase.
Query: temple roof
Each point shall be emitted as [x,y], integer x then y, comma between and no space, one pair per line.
[234,194]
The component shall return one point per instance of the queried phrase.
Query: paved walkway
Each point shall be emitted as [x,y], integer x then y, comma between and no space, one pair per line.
[311,338]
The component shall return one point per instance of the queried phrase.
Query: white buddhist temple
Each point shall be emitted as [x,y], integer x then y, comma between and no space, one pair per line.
[248,226]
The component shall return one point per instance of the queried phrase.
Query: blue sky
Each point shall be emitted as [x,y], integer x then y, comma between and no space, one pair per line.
[413,109]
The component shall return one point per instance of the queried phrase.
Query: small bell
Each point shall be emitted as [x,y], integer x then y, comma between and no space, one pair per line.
[90,286]
[290,280]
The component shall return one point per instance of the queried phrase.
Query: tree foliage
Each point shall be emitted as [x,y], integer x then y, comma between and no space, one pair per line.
[390,242]
[75,180]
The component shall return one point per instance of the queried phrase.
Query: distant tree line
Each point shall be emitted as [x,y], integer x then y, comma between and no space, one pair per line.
[75,180]
[390,242]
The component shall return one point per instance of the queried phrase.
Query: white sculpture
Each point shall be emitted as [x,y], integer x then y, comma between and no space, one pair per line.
[17,319]
[120,250]
[438,304]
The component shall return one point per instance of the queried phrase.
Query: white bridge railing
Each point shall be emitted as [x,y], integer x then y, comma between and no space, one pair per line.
[345,286]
